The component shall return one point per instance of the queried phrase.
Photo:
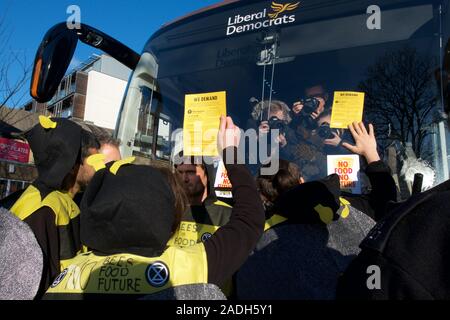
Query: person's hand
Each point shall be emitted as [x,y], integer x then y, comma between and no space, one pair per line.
[264,127]
[297,107]
[229,134]
[333,141]
[315,115]
[366,144]
[281,139]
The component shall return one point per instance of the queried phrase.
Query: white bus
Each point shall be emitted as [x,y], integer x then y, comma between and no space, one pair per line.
[279,53]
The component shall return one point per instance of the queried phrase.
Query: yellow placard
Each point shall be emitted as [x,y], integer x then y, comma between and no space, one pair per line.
[201,122]
[348,107]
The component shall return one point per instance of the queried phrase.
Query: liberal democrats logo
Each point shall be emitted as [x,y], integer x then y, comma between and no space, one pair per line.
[280,8]
[280,15]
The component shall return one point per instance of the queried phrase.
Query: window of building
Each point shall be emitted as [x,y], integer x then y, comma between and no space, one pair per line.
[8,187]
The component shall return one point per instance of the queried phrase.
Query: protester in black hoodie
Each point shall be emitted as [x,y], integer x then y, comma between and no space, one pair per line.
[312,230]
[60,149]
[406,255]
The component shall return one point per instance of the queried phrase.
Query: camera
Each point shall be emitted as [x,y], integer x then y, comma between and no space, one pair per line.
[325,132]
[310,105]
[275,123]
[304,118]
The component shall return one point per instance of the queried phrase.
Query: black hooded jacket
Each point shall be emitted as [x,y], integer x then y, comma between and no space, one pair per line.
[407,254]
[55,150]
[327,193]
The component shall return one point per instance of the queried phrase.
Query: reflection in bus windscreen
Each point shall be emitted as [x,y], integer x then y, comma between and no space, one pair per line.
[291,76]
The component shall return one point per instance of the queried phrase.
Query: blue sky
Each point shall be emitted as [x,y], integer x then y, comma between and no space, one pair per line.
[132,21]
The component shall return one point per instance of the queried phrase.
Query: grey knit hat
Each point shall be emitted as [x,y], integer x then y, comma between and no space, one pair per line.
[21,259]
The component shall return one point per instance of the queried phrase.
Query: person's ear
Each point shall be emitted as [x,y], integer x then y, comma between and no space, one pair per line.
[301,180]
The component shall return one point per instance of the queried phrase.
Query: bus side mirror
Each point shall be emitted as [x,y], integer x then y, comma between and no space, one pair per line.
[52,60]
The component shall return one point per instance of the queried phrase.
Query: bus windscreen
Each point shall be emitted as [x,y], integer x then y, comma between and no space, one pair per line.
[335,59]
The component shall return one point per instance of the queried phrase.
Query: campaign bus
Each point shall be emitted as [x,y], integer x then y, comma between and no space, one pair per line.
[385,63]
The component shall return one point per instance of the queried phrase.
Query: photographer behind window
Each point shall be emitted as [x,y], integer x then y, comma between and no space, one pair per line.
[330,139]
[306,112]
[276,116]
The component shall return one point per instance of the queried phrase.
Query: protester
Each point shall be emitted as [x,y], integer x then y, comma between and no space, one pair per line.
[383,188]
[308,242]
[270,186]
[406,255]
[128,232]
[60,148]
[312,230]
[205,213]
[110,147]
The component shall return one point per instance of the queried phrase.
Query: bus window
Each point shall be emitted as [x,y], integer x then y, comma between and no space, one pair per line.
[151,119]
[144,139]
[164,134]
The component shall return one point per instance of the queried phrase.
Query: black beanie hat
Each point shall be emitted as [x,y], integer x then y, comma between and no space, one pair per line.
[317,202]
[56,145]
[130,211]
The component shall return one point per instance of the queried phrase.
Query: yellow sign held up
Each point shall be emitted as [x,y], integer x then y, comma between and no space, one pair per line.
[348,107]
[201,123]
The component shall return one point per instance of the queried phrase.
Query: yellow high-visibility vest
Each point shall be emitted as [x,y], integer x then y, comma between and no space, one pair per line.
[191,232]
[65,212]
[128,274]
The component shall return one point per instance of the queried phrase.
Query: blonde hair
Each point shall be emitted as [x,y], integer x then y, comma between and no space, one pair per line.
[263,107]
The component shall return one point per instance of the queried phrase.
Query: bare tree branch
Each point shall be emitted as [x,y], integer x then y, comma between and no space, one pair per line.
[400,98]
[14,73]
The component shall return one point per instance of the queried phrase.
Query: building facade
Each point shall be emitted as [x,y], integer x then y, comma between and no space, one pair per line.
[90,94]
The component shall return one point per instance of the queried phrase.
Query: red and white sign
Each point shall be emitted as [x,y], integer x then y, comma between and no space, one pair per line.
[222,182]
[12,150]
[347,167]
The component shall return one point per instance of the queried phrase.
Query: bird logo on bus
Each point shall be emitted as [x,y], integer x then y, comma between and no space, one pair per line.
[279,8]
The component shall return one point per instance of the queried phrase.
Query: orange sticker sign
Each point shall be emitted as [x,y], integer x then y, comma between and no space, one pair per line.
[347,167]
[222,182]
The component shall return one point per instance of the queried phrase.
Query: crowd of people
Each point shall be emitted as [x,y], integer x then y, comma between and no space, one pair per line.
[305,133]
[94,225]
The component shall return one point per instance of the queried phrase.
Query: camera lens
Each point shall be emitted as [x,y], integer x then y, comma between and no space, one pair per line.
[275,123]
[310,105]
[325,131]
